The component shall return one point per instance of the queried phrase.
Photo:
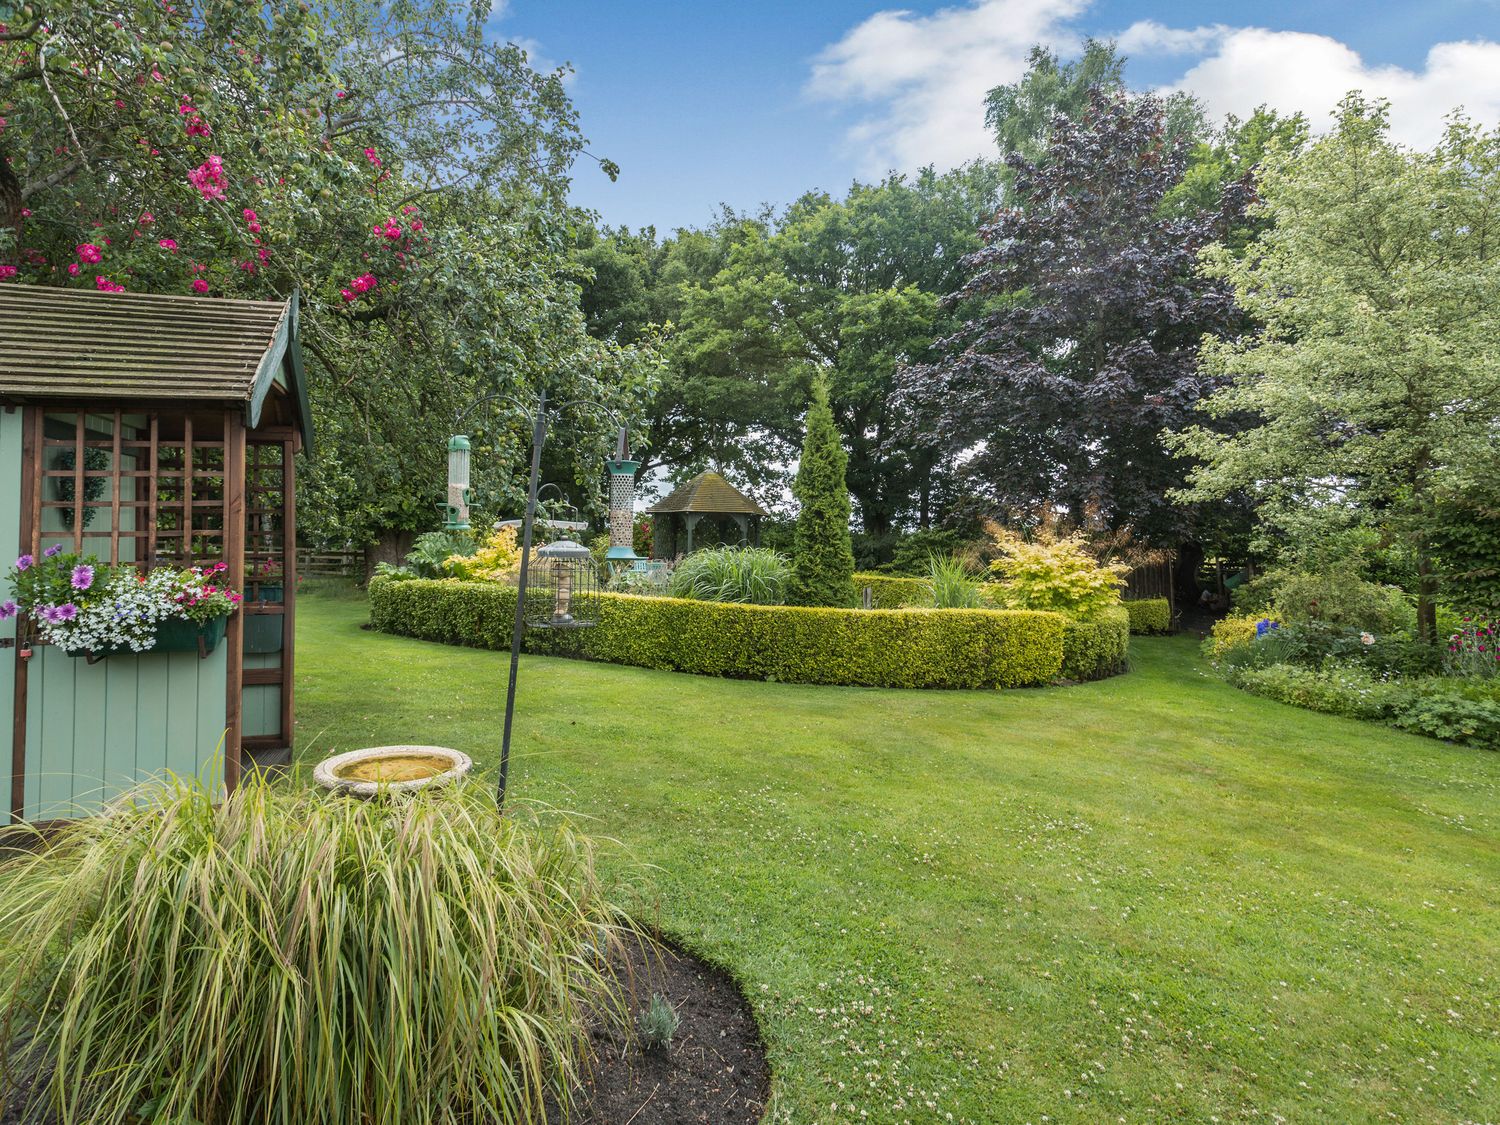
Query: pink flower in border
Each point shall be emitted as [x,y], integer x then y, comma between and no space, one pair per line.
[88,252]
[7,272]
[346,294]
[73,268]
[167,244]
[105,285]
[199,285]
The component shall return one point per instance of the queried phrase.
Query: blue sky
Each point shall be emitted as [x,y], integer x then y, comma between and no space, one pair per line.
[756,101]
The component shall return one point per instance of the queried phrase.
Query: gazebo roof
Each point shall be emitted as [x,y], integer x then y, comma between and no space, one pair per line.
[707,494]
[79,344]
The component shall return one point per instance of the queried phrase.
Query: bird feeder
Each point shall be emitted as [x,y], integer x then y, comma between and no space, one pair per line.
[457,509]
[564,590]
[622,470]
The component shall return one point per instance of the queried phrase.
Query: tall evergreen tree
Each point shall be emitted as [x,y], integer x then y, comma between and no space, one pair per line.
[823,566]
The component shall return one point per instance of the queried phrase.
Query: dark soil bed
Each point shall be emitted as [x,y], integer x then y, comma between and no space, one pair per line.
[713,1073]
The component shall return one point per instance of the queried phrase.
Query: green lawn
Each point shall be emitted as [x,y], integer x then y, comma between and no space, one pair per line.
[1153,898]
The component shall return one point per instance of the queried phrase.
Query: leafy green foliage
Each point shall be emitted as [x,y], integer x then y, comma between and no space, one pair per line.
[431,551]
[1054,573]
[1149,615]
[1335,596]
[952,583]
[822,560]
[791,644]
[658,1023]
[403,172]
[890,592]
[384,961]
[1369,392]
[750,575]
[1096,647]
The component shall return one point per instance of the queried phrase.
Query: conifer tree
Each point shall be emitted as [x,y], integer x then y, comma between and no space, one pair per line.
[823,561]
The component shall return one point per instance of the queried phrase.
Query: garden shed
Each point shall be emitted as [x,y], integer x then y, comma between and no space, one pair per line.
[707,496]
[147,431]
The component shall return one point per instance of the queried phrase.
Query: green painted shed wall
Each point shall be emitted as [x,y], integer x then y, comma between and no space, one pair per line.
[94,730]
[10,547]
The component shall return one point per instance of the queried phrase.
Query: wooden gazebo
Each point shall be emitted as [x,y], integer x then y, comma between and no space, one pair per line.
[148,430]
[707,496]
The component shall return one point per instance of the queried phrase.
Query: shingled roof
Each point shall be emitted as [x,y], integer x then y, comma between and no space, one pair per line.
[78,344]
[707,494]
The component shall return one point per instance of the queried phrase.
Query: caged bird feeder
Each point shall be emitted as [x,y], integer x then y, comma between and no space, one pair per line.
[564,589]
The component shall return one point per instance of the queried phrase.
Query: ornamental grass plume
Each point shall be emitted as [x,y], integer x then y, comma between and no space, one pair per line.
[292,955]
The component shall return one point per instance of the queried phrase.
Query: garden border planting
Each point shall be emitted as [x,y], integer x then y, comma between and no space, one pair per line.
[875,648]
[1149,615]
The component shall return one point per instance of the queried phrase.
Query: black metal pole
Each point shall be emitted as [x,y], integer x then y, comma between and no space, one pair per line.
[538,437]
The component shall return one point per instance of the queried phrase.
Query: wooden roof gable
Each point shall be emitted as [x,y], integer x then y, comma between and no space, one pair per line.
[708,494]
[78,344]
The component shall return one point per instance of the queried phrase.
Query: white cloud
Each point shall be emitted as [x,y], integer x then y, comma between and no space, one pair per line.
[1292,71]
[1147,37]
[922,78]
[928,75]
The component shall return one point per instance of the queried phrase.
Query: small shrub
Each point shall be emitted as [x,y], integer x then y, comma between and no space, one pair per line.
[497,559]
[429,555]
[951,584]
[1338,597]
[1150,615]
[1232,632]
[747,575]
[1054,574]
[383,961]
[658,1023]
[646,583]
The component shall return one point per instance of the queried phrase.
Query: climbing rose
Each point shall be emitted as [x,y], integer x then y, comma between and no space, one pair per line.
[390,229]
[199,285]
[363,283]
[346,294]
[105,285]
[88,252]
[372,157]
[73,268]
[208,178]
[7,272]
[167,243]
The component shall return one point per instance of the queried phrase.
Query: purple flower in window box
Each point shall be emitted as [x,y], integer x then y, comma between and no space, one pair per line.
[67,611]
[55,549]
[83,576]
[49,614]
[7,610]
[24,562]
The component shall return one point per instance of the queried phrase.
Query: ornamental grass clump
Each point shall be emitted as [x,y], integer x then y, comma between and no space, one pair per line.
[953,585]
[301,956]
[749,575]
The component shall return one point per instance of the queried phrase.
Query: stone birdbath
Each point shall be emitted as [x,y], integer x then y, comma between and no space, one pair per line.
[390,769]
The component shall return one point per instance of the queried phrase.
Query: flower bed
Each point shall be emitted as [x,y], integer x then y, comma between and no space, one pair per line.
[877,648]
[81,605]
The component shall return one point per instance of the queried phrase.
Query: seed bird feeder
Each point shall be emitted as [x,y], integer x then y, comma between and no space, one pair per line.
[564,590]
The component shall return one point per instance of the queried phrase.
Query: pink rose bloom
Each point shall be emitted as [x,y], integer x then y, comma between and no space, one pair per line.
[105,285]
[254,228]
[208,178]
[7,272]
[372,157]
[73,268]
[346,294]
[199,285]
[88,252]
[416,226]
[390,229]
[167,243]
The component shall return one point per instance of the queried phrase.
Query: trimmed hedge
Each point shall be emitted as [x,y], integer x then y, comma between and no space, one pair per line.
[945,648]
[1150,615]
[1098,648]
[888,591]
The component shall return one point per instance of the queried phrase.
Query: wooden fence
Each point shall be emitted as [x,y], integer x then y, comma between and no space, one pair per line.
[330,564]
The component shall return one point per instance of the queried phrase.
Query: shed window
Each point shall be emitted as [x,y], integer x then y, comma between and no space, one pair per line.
[128,486]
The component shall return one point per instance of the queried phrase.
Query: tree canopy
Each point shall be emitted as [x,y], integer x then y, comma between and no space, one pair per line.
[401,171]
[1372,388]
